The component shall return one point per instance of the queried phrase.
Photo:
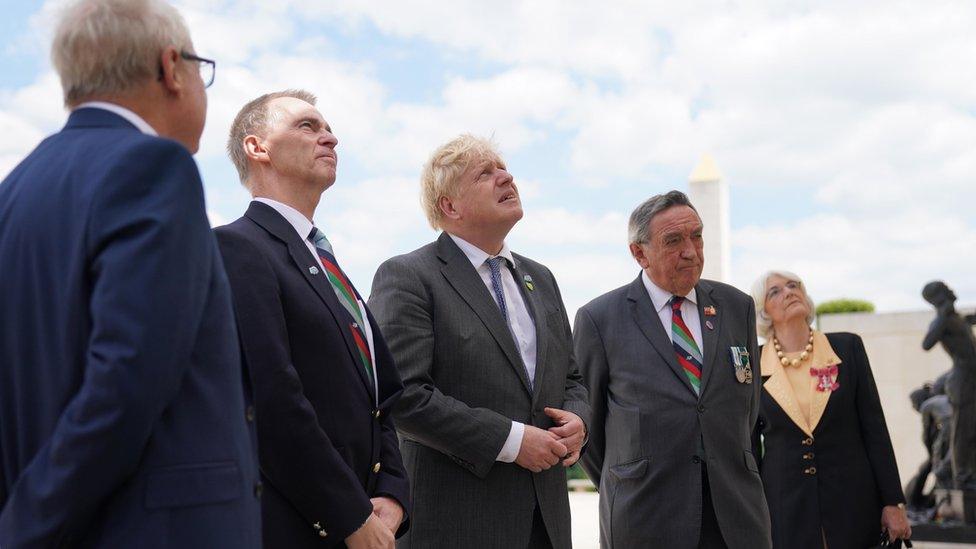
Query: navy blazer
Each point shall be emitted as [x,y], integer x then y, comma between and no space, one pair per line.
[122,411]
[326,445]
[833,485]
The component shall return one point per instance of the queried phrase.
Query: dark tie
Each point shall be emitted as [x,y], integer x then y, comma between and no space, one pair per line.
[347,295]
[689,356]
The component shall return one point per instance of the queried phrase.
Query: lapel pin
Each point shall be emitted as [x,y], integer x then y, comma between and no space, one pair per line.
[313,270]
[709,311]
[708,324]
[528,283]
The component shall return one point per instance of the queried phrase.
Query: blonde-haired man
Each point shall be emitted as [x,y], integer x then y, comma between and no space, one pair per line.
[123,416]
[324,380]
[492,408]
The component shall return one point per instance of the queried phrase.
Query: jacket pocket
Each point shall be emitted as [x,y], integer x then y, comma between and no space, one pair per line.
[631,469]
[193,484]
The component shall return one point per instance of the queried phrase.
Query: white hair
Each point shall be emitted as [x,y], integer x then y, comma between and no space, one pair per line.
[106,47]
[764,325]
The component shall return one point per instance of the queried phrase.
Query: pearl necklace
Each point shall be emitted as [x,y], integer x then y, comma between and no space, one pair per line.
[793,361]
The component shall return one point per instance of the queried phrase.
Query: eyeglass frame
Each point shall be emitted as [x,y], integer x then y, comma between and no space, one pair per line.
[191,57]
[211,62]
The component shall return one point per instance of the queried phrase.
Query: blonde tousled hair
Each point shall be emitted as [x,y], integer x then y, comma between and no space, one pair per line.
[442,172]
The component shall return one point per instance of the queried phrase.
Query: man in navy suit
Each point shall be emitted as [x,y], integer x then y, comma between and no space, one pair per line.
[324,380]
[123,417]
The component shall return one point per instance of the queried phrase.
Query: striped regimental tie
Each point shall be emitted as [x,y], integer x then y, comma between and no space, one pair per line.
[689,355]
[347,297]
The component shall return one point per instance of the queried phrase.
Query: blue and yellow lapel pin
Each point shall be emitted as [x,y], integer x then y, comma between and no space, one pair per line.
[528,283]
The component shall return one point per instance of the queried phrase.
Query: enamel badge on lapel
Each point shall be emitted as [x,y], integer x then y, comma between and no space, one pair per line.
[528,283]
[708,324]
[313,270]
[740,360]
[709,311]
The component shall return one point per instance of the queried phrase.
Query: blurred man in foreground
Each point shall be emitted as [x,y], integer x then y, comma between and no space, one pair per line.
[122,411]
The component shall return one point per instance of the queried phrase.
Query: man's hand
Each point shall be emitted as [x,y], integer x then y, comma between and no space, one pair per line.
[571,432]
[540,450]
[389,512]
[371,535]
[895,520]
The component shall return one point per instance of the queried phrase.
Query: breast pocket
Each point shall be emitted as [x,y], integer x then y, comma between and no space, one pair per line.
[193,484]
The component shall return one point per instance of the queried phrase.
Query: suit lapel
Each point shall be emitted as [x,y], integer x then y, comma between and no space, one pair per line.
[710,336]
[644,315]
[534,305]
[779,388]
[461,275]
[823,356]
[274,223]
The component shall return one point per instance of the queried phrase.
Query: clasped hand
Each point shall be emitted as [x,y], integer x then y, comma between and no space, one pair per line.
[380,528]
[542,449]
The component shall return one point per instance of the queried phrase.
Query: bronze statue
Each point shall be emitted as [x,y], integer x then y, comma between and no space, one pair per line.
[932,403]
[954,333]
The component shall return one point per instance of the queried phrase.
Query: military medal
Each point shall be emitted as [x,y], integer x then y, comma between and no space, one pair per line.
[740,360]
[826,378]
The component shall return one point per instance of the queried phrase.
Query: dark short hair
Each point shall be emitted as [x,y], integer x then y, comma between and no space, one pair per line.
[640,218]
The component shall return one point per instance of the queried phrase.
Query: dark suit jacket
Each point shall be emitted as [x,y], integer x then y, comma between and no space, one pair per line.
[464,384]
[325,445]
[855,471]
[645,450]
[122,411]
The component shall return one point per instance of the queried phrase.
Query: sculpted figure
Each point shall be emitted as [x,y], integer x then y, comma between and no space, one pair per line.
[953,331]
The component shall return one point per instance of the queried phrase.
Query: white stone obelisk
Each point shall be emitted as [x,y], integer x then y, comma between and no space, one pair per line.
[710,195]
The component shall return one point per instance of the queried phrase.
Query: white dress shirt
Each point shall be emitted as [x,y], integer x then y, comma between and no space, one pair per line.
[130,116]
[304,227]
[519,320]
[689,310]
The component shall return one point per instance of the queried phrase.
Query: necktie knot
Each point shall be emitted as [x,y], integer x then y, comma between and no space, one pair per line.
[676,301]
[495,263]
[319,240]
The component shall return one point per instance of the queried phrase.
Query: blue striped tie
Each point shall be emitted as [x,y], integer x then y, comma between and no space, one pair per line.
[494,265]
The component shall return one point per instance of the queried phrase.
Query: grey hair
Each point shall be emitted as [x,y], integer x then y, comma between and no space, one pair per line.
[764,324]
[640,219]
[254,118]
[107,47]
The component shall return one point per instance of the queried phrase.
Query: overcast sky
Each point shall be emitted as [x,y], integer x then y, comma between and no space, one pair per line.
[846,130]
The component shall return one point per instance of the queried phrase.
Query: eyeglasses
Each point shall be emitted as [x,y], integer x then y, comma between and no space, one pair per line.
[208,67]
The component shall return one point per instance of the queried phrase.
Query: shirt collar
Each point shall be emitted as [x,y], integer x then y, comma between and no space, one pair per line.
[294,217]
[476,255]
[661,297]
[130,116]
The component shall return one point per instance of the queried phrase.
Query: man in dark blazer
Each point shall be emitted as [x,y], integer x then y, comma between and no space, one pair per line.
[122,405]
[324,381]
[668,360]
[493,402]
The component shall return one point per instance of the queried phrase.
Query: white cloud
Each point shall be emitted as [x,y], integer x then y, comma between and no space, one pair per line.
[857,118]
[885,259]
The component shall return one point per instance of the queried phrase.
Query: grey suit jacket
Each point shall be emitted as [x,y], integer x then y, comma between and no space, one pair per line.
[464,383]
[649,426]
